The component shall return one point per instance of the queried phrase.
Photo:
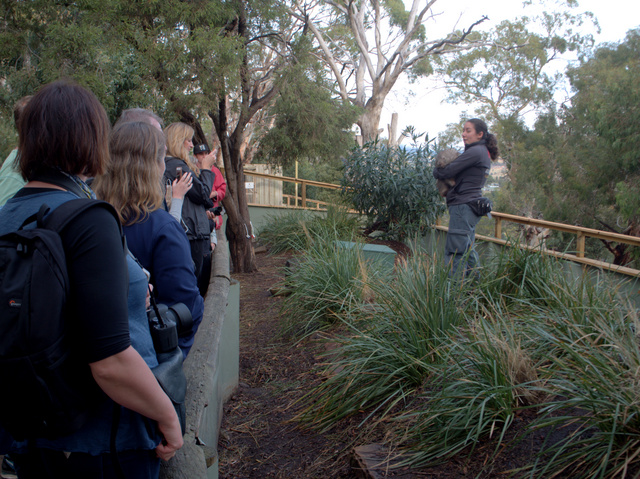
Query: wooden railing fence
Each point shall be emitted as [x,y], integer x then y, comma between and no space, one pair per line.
[498,218]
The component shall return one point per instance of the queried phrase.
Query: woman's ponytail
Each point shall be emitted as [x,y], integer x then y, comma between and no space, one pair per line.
[492,146]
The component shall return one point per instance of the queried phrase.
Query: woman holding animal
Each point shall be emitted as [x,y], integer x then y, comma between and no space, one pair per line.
[470,171]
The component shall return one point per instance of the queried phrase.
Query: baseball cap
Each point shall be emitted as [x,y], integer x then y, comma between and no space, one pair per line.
[203,148]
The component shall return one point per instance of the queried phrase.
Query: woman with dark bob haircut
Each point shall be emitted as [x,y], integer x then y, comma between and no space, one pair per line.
[64,138]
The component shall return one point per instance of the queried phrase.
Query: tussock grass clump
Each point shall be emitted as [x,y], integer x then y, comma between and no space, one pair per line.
[488,376]
[391,350]
[595,379]
[519,277]
[296,229]
[444,365]
[328,283]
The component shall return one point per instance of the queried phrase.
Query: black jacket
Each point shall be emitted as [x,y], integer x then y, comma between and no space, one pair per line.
[470,170]
[196,201]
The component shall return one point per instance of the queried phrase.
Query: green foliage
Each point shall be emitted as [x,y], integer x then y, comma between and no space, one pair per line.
[451,368]
[327,284]
[628,200]
[286,232]
[507,74]
[309,122]
[391,348]
[156,55]
[520,275]
[183,60]
[486,380]
[299,228]
[593,377]
[604,111]
[580,165]
[393,187]
[8,140]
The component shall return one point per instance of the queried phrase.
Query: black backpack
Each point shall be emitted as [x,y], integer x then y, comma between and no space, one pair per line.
[48,391]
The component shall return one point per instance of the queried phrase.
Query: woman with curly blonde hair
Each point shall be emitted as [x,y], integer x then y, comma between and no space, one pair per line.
[196,202]
[132,184]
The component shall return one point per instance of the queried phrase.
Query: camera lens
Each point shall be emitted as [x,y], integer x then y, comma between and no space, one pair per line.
[181,316]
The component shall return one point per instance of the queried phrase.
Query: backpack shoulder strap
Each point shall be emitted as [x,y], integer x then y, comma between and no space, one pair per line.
[66,212]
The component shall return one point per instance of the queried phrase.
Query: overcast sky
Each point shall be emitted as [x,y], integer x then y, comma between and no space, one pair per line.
[419,105]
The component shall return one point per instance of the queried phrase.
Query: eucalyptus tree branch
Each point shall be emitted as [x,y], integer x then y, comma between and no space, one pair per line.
[328,56]
[356,19]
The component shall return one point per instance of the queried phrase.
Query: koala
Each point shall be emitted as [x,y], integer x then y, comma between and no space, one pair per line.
[443,158]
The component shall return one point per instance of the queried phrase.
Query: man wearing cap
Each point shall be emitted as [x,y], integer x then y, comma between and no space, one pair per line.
[201,151]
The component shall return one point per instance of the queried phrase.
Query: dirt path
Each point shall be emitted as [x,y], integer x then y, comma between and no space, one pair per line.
[256,439]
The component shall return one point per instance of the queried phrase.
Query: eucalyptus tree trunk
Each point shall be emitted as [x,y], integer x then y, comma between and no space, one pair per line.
[370,119]
[238,228]
[255,94]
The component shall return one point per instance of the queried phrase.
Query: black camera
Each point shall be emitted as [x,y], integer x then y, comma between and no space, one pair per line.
[217,210]
[173,322]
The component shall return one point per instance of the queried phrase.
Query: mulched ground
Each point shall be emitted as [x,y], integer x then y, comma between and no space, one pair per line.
[258,438]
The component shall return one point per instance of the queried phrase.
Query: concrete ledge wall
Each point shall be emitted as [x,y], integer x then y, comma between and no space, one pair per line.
[212,374]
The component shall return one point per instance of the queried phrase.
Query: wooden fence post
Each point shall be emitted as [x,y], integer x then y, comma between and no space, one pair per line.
[580,245]
[304,194]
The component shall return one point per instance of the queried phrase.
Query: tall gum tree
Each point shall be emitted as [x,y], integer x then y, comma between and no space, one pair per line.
[580,164]
[604,142]
[264,36]
[232,86]
[513,72]
[369,44]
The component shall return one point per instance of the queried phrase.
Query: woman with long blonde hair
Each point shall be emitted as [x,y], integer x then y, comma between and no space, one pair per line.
[132,184]
[197,200]
[180,143]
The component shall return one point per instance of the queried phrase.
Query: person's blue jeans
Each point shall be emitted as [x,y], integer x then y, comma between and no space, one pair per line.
[39,463]
[459,246]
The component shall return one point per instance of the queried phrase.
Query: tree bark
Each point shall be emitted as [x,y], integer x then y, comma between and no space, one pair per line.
[254,95]
[370,119]
[239,230]
[238,227]
[621,251]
